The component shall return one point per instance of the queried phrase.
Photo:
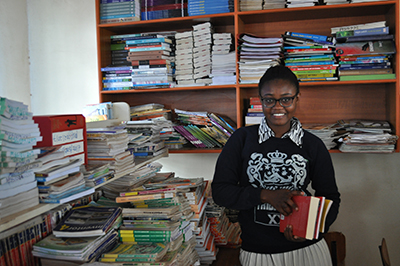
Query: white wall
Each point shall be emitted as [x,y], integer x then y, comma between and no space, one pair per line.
[64,78]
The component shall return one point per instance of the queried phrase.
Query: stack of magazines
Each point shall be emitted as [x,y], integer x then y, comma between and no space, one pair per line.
[368,136]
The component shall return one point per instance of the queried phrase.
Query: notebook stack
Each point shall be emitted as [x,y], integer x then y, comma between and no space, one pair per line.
[310,56]
[365,52]
[273,4]
[256,55]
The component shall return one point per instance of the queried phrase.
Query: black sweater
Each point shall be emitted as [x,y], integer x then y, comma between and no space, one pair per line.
[246,166]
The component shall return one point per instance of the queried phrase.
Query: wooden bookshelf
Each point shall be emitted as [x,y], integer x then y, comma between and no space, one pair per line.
[25,215]
[320,102]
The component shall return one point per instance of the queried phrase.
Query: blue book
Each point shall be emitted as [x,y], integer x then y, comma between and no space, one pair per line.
[149,49]
[116,68]
[361,65]
[314,37]
[364,67]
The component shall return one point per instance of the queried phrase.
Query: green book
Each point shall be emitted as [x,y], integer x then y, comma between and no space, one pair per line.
[153,250]
[367,77]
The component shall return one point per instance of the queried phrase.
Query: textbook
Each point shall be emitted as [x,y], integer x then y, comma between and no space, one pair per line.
[136,252]
[306,222]
[87,221]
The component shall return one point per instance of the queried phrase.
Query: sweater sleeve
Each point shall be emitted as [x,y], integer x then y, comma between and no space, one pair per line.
[229,189]
[323,181]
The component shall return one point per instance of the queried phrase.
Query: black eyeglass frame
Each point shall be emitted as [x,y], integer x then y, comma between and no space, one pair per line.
[291,99]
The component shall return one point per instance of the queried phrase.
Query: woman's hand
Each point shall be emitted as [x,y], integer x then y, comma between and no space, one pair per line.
[289,235]
[281,199]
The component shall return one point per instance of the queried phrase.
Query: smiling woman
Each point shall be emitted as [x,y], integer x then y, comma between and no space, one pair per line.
[263,166]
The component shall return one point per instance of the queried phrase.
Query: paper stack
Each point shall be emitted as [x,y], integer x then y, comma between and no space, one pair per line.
[202,40]
[184,58]
[223,60]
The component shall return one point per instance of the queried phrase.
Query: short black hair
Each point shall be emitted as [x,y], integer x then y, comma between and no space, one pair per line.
[278,72]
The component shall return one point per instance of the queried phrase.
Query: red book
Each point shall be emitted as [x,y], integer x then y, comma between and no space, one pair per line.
[304,220]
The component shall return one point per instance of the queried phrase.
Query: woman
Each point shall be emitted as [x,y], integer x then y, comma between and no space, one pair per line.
[262,166]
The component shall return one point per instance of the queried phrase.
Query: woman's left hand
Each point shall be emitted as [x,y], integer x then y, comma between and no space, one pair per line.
[289,235]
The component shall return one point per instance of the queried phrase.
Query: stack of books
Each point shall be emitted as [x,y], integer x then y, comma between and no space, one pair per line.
[254,113]
[159,9]
[132,180]
[273,4]
[118,51]
[119,11]
[367,136]
[223,60]
[82,236]
[328,133]
[96,174]
[109,145]
[256,55]
[184,58]
[151,59]
[117,77]
[249,5]
[365,53]
[310,56]
[202,45]
[18,135]
[206,7]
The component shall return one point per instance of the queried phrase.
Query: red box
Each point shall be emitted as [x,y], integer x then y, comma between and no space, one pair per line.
[68,131]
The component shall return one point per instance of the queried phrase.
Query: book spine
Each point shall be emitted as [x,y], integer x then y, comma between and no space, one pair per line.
[2,255]
[114,1]
[23,251]
[6,251]
[143,49]
[150,40]
[118,16]
[13,246]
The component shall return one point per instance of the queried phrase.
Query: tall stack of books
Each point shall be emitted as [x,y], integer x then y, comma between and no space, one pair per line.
[206,7]
[18,135]
[118,51]
[112,11]
[223,60]
[310,56]
[254,113]
[365,53]
[158,9]
[184,58]
[109,145]
[256,55]
[152,63]
[273,4]
[202,41]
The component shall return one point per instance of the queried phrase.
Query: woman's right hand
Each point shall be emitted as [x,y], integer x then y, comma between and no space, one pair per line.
[281,199]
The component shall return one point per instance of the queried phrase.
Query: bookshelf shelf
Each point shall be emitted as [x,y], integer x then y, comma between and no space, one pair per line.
[25,215]
[321,102]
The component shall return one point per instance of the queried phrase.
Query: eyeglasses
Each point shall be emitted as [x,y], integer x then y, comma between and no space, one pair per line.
[284,101]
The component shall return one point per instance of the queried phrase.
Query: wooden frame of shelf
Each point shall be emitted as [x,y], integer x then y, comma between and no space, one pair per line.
[320,102]
[25,215]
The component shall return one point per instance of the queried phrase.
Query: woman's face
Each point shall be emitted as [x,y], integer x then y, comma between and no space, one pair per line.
[278,117]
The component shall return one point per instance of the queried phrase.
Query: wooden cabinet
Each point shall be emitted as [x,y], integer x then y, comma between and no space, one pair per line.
[320,102]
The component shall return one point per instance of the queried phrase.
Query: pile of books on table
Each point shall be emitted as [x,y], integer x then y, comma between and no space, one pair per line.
[256,55]
[310,56]
[18,135]
[365,51]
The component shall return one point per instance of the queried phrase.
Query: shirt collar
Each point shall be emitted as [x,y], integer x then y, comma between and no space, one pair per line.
[295,132]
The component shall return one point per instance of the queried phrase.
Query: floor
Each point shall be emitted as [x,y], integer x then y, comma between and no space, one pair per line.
[227,257]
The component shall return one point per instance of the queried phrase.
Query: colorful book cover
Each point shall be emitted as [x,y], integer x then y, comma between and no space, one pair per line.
[361,48]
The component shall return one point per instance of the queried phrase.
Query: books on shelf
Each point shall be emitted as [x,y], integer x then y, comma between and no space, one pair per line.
[308,221]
